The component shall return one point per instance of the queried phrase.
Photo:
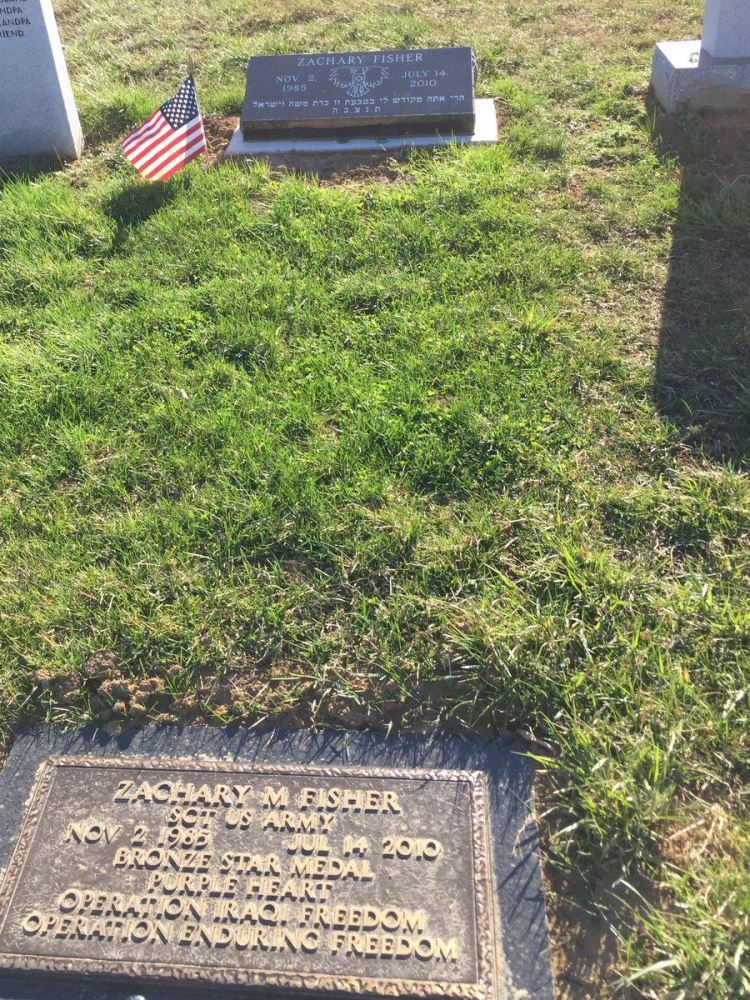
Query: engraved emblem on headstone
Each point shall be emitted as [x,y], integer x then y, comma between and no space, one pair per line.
[358,81]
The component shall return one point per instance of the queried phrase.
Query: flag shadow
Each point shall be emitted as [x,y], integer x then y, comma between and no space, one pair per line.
[135,204]
[702,376]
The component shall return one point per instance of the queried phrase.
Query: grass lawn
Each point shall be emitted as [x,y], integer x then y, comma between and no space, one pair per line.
[460,444]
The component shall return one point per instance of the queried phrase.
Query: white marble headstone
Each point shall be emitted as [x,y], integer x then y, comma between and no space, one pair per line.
[712,73]
[38,115]
[726,29]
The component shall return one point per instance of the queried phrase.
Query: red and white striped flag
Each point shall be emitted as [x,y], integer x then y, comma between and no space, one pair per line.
[172,136]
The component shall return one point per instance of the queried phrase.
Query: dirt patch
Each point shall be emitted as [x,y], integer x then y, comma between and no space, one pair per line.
[384,172]
[688,843]
[104,691]
[332,169]
[219,130]
[102,665]
[585,949]
[585,955]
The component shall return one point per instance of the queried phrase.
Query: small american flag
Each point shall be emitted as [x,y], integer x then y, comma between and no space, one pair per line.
[172,136]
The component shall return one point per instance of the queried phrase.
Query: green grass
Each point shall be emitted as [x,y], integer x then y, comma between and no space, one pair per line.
[466,446]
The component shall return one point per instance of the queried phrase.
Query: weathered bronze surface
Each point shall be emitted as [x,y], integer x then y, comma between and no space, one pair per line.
[337,880]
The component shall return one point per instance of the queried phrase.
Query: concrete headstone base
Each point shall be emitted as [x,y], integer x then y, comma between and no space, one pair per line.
[684,75]
[317,153]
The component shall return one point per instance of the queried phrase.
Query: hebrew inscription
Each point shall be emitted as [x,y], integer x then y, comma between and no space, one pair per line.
[333,879]
[411,90]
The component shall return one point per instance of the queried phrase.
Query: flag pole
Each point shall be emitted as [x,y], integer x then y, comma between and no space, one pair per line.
[191,74]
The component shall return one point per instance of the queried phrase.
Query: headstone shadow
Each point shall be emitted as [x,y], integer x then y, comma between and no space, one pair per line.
[702,377]
[13,170]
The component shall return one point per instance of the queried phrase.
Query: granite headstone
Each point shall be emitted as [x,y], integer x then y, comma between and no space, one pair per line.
[337,110]
[415,91]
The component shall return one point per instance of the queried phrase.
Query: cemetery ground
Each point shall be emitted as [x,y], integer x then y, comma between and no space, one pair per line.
[457,443]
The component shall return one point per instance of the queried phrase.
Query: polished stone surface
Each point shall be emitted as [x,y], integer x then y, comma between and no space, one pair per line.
[332,153]
[685,75]
[39,116]
[437,817]
[414,91]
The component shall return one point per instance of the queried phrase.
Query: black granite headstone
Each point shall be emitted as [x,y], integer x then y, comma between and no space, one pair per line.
[410,91]
[308,864]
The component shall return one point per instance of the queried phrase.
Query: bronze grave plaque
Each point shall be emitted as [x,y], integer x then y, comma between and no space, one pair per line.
[292,878]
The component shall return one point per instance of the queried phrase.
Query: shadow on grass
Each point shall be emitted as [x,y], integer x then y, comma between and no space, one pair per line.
[135,204]
[257,25]
[29,168]
[702,381]
[113,119]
